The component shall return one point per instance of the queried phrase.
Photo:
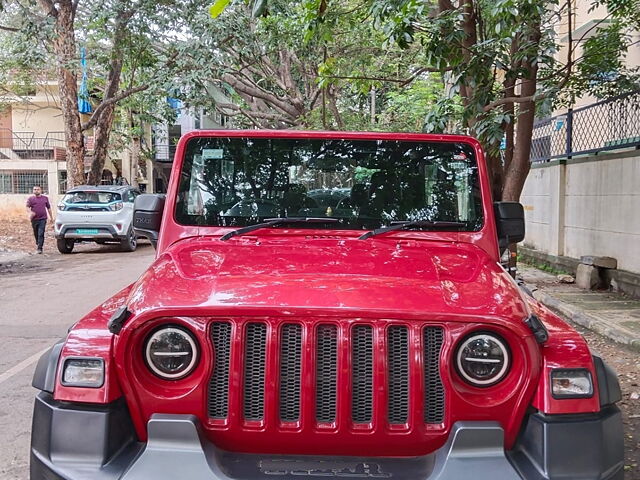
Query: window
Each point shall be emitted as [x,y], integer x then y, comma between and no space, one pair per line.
[22,181]
[359,183]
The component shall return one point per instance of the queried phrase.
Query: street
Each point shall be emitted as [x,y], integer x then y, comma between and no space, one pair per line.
[39,301]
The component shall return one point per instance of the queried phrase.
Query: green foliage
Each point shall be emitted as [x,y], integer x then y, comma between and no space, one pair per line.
[218,7]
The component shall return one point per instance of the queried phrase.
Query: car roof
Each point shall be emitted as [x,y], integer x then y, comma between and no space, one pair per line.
[101,188]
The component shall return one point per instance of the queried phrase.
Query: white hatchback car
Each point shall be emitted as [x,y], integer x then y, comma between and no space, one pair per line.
[101,214]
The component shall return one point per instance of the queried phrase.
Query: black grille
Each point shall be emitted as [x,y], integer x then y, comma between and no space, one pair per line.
[290,364]
[398,362]
[219,383]
[254,370]
[434,391]
[398,367]
[326,373]
[362,376]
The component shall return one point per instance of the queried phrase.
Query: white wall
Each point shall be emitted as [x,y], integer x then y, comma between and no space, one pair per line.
[14,203]
[590,206]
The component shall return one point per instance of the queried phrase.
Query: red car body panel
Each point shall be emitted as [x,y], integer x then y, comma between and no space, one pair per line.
[446,279]
[90,338]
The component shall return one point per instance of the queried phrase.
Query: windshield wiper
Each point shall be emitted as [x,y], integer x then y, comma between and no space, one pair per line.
[271,222]
[410,224]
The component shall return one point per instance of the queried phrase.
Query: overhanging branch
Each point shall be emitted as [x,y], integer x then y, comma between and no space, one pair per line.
[98,111]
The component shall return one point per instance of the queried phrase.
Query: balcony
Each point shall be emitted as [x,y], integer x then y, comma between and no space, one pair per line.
[27,146]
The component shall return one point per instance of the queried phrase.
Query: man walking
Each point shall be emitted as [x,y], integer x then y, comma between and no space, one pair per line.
[38,207]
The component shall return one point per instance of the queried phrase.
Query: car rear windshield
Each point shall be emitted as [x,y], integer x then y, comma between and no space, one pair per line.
[364,184]
[91,197]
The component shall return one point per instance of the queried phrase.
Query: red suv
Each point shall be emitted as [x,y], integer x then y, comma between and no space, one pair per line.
[325,304]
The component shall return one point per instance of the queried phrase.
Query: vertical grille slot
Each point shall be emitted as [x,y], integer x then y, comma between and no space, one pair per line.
[290,366]
[362,374]
[254,370]
[219,383]
[326,373]
[434,391]
[398,367]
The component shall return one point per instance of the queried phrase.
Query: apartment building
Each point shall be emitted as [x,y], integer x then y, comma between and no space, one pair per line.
[33,149]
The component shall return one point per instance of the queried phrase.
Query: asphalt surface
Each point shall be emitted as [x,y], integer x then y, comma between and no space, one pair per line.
[41,296]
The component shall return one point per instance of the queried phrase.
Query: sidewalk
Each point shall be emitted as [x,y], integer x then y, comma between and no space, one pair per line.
[611,314]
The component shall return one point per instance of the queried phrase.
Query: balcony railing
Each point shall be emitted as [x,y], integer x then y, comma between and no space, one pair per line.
[164,152]
[26,145]
[607,125]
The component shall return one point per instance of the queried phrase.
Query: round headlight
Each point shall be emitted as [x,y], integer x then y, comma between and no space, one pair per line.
[483,359]
[171,353]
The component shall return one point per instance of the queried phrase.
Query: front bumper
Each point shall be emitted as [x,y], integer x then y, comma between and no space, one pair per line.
[71,442]
[102,232]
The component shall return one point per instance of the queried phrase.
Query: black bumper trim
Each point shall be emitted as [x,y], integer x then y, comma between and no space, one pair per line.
[585,446]
[71,441]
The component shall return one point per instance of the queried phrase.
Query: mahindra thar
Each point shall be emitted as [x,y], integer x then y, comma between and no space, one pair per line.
[325,304]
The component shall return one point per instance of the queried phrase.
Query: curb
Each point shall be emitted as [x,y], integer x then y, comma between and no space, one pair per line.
[585,320]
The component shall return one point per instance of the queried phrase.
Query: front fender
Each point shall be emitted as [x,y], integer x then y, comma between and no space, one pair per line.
[89,337]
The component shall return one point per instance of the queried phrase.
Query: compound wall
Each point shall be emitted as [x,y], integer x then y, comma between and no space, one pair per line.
[586,206]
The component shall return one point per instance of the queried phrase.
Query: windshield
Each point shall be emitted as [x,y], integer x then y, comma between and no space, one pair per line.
[91,197]
[365,184]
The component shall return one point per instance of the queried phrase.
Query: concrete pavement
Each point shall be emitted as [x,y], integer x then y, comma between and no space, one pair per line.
[611,314]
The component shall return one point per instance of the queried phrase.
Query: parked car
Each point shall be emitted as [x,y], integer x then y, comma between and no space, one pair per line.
[284,332]
[101,214]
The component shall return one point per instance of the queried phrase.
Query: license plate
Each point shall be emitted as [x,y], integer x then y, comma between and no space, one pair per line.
[87,231]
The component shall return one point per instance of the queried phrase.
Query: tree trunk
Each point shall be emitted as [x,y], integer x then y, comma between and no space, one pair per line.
[494,166]
[102,130]
[64,47]
[101,134]
[520,165]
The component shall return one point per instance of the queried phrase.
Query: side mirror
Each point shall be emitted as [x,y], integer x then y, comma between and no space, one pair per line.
[147,216]
[509,222]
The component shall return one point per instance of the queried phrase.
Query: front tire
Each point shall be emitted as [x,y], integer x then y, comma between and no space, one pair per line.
[65,245]
[130,243]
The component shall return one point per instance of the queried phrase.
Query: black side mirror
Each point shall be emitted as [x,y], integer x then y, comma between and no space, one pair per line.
[509,222]
[147,216]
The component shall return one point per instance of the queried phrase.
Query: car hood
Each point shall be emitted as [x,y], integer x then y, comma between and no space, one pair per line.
[379,275]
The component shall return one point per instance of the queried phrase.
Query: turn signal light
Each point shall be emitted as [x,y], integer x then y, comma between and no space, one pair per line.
[83,372]
[571,383]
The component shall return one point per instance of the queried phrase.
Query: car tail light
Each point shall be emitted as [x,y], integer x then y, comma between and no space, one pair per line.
[482,359]
[171,352]
[116,206]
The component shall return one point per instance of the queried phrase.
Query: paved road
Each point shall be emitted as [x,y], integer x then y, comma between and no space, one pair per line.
[38,302]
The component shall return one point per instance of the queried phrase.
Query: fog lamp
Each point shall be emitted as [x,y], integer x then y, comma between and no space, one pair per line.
[571,383]
[83,372]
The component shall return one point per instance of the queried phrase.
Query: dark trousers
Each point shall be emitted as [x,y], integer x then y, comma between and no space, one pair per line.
[38,231]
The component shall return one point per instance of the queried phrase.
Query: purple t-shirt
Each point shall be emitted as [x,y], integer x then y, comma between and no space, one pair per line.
[39,206]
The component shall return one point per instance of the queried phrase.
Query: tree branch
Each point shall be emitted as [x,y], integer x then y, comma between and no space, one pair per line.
[9,29]
[110,101]
[515,99]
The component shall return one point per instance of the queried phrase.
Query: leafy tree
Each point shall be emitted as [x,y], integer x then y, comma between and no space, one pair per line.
[499,61]
[277,79]
[121,35]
